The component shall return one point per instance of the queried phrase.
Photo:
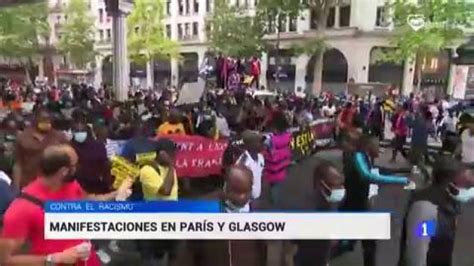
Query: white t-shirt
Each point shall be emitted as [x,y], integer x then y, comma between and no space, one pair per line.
[257,169]
[329,111]
[467,147]
[451,123]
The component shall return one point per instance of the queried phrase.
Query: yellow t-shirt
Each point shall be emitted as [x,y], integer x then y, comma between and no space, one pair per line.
[152,181]
[167,129]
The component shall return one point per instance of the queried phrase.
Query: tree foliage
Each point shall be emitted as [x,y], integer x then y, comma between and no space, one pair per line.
[22,29]
[77,34]
[147,38]
[444,21]
[232,31]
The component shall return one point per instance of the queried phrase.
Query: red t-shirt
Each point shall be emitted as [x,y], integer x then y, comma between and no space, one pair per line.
[25,220]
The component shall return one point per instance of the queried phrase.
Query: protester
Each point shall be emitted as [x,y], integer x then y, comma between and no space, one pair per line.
[421,125]
[235,197]
[30,145]
[359,177]
[253,159]
[24,219]
[329,192]
[93,170]
[277,156]
[440,204]
[466,149]
[158,178]
[172,125]
[400,129]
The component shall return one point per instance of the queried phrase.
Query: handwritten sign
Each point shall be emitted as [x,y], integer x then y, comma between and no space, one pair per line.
[123,169]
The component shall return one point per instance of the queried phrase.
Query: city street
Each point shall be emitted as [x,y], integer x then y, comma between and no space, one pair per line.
[296,191]
[390,198]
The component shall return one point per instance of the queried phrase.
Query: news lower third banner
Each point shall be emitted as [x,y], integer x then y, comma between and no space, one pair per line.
[203,220]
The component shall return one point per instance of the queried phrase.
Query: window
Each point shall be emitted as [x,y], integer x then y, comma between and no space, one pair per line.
[237,2]
[246,4]
[58,19]
[195,29]
[65,18]
[101,35]
[313,23]
[109,34]
[101,15]
[187,30]
[282,24]
[168,7]
[168,31]
[380,20]
[344,16]
[271,24]
[187,7]
[181,7]
[293,24]
[331,17]
[196,6]
[208,6]
[180,31]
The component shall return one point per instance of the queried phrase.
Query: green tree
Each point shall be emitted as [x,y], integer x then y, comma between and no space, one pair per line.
[444,24]
[77,36]
[232,31]
[24,31]
[277,12]
[317,46]
[147,38]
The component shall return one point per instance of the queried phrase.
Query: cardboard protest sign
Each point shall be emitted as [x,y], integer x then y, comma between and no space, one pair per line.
[191,92]
[123,169]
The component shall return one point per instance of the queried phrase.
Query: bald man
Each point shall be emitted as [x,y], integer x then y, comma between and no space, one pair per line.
[24,219]
[238,189]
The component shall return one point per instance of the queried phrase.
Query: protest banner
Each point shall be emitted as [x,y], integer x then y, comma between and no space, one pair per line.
[198,156]
[202,157]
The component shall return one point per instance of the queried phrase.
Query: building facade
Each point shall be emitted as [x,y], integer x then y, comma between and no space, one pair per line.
[356,30]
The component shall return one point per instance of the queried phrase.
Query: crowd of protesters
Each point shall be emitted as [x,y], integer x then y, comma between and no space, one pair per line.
[58,150]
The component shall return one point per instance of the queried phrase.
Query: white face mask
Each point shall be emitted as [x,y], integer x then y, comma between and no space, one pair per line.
[335,195]
[232,208]
[80,137]
[464,195]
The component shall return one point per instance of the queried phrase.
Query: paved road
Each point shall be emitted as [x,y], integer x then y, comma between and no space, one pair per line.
[390,198]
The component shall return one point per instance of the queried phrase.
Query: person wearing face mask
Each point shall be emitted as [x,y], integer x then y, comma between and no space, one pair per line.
[452,186]
[24,220]
[361,182]
[93,171]
[327,194]
[235,198]
[31,143]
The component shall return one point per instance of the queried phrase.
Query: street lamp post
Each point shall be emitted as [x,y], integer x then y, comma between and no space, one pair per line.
[118,10]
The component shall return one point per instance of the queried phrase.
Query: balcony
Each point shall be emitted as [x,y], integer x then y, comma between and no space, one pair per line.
[188,38]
